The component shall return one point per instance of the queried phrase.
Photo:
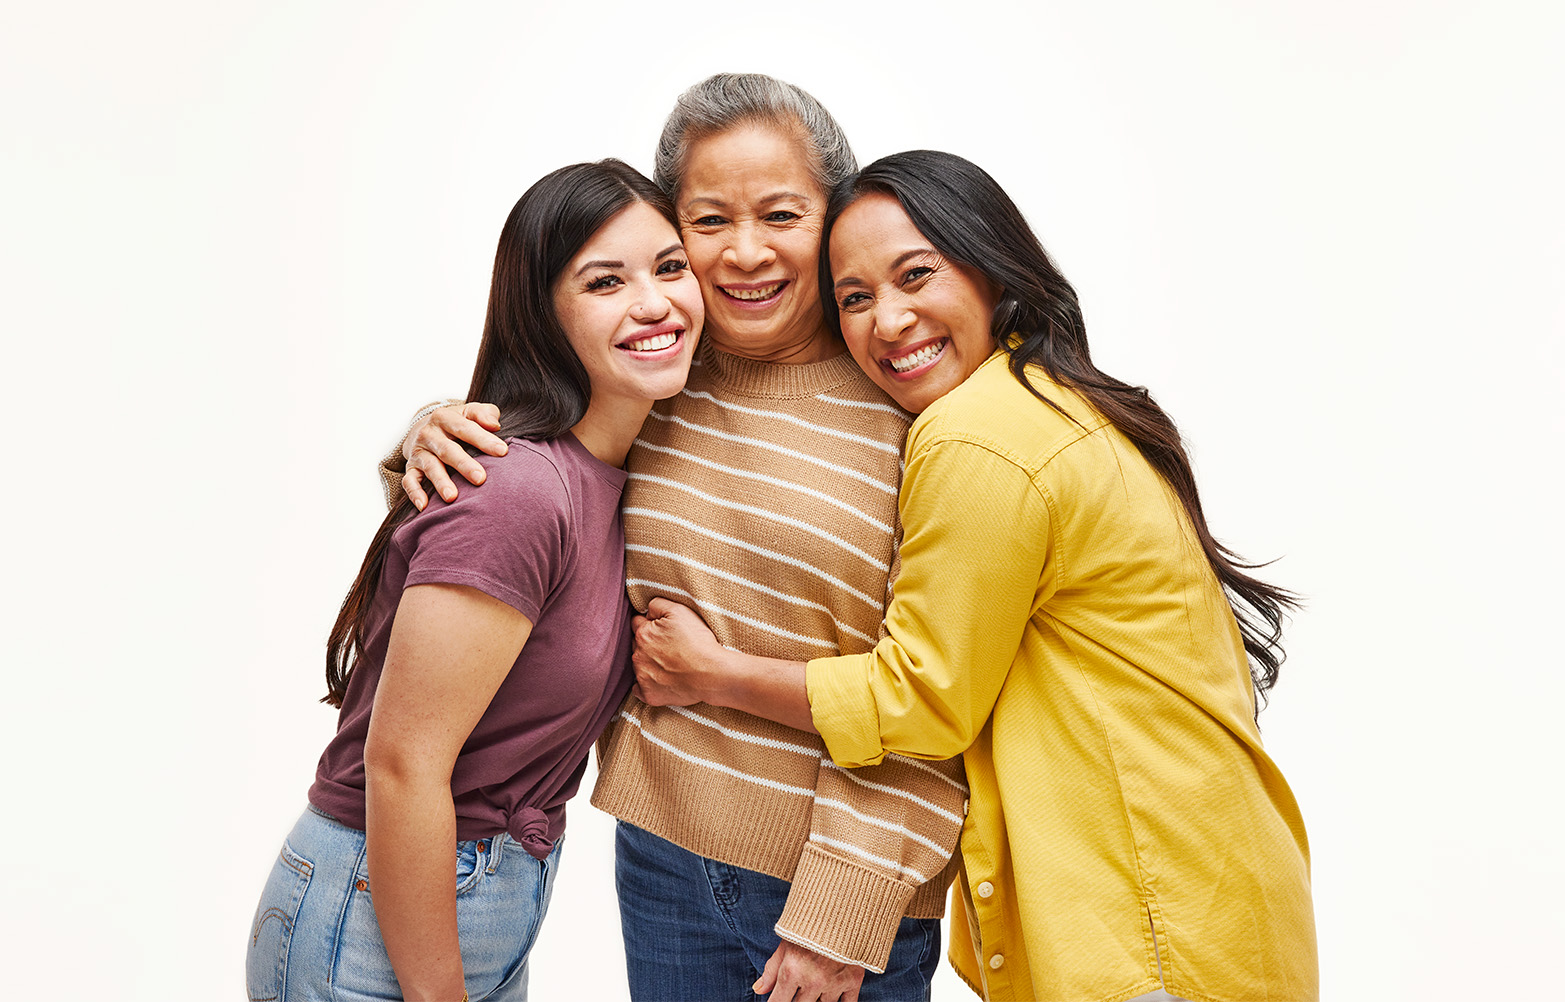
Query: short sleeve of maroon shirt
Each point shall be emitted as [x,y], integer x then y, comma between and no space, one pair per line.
[543,536]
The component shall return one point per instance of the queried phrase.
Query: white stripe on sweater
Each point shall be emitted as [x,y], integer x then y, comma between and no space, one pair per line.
[926,767]
[866,405]
[873,443]
[761,443]
[849,847]
[770,784]
[944,852]
[735,579]
[781,558]
[799,524]
[664,588]
[883,788]
[778,482]
[754,739]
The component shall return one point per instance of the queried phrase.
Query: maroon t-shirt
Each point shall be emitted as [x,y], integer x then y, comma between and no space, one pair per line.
[543,536]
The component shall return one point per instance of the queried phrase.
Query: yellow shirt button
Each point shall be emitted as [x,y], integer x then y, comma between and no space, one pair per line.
[996,962]
[986,890]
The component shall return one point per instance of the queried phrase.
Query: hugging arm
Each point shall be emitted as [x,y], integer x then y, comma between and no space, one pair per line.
[881,838]
[433,443]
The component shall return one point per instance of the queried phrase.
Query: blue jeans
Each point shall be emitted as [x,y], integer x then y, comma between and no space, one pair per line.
[315,936]
[697,930]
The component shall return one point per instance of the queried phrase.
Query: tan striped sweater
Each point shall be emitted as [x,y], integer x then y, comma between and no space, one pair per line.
[765,497]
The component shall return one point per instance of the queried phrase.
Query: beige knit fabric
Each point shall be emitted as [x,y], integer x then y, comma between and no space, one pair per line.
[765,497]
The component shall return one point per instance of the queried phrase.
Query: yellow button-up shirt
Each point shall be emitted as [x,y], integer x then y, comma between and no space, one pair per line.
[1056,622]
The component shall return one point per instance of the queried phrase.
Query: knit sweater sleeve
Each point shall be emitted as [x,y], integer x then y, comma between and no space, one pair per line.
[878,836]
[392,465]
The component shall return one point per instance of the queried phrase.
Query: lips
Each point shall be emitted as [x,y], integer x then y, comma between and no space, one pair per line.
[752,293]
[664,336]
[917,358]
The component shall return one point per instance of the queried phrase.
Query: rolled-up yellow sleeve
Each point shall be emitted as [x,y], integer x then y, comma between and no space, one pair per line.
[843,706]
[974,570]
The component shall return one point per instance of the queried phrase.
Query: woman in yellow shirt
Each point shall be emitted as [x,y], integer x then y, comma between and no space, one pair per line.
[1063,618]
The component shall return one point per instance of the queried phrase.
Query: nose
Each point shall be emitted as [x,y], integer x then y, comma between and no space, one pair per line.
[893,316]
[749,249]
[651,305]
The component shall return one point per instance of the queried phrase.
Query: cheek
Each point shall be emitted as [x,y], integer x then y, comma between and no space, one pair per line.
[688,295]
[855,331]
[703,252]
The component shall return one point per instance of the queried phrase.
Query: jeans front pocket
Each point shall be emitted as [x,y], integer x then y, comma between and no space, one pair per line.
[470,864]
[266,964]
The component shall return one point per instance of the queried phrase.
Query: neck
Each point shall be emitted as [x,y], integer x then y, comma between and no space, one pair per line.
[817,347]
[610,426]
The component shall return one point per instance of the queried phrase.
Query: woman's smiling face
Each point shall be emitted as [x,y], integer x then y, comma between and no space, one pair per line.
[750,214]
[916,322]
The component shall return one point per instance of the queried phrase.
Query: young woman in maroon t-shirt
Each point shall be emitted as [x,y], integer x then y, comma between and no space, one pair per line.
[485,642]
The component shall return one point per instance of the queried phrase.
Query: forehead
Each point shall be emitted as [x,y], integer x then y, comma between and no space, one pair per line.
[636,228]
[872,229]
[747,162]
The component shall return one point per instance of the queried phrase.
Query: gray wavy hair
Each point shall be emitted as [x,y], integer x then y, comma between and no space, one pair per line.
[725,100]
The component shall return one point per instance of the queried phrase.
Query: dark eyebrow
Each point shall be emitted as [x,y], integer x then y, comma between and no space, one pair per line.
[672,249]
[601,264]
[901,259]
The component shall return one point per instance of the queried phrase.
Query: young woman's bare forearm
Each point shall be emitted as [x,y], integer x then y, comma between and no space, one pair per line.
[410,827]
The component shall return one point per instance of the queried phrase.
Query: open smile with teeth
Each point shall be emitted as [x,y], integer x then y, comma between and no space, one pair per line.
[656,342]
[753,295]
[923,356]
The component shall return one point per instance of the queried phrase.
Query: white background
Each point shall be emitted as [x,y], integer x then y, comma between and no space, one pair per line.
[243,241]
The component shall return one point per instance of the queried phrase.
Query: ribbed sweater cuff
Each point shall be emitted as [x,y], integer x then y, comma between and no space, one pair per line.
[843,910]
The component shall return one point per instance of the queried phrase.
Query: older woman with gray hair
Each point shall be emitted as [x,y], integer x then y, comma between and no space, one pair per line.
[764,497]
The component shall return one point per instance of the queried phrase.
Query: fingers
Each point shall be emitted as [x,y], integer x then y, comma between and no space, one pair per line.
[435,442]
[768,979]
[487,415]
[413,487]
[435,472]
[466,424]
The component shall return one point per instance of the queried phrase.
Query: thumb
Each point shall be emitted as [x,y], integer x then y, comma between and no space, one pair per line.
[768,979]
[659,607]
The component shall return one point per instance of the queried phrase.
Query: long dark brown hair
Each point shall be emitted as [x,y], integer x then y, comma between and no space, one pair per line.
[971,220]
[525,366]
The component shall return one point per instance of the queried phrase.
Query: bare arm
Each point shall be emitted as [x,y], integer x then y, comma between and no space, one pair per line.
[435,442]
[679,662]
[450,648]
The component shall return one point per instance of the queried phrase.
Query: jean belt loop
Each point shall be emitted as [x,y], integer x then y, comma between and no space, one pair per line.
[496,851]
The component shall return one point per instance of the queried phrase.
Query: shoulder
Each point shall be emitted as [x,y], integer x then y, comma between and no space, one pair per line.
[993,410]
[532,478]
[530,469]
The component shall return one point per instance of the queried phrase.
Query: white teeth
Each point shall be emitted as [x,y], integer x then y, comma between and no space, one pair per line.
[918,358]
[651,343]
[750,295]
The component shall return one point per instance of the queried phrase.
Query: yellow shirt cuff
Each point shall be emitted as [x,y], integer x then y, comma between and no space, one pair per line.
[844,709]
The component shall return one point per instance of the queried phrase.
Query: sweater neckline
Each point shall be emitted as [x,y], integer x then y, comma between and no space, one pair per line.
[778,380]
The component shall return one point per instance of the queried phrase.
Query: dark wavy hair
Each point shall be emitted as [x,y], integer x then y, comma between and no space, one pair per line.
[526,365]
[970,219]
